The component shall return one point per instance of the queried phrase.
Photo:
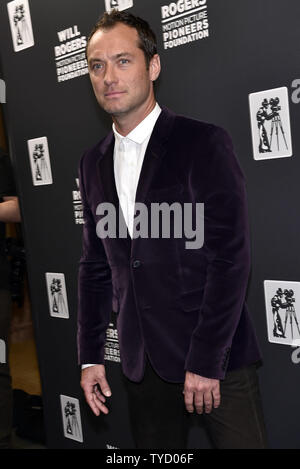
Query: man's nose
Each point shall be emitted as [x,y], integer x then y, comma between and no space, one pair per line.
[110,76]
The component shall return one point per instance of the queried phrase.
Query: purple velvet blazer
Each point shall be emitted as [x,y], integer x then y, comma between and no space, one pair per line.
[185,308]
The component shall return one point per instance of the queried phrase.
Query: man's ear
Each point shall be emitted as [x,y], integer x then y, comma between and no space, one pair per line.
[154,67]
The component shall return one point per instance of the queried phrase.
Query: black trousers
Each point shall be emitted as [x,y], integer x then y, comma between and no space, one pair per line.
[6,396]
[159,419]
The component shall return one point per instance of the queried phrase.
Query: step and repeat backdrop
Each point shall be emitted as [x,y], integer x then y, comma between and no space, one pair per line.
[234,63]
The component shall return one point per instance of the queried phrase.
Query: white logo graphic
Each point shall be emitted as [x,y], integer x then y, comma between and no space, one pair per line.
[270,124]
[118,4]
[71,418]
[111,349]
[57,295]
[77,204]
[40,161]
[184,22]
[2,351]
[20,24]
[70,54]
[282,309]
[2,91]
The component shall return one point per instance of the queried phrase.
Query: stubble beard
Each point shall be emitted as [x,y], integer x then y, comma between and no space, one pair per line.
[127,108]
[124,110]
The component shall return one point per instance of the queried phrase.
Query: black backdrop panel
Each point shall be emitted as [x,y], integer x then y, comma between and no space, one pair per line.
[250,47]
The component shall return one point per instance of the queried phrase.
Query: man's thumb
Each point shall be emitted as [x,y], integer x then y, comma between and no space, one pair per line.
[105,387]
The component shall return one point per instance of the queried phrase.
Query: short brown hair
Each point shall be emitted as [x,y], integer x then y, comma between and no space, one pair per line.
[147,38]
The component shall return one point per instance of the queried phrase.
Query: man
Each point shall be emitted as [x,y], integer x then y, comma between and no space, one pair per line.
[9,212]
[186,338]
[261,116]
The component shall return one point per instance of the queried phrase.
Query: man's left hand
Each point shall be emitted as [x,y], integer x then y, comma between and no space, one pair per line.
[202,392]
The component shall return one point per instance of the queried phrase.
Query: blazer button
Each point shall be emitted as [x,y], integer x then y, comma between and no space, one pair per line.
[136,264]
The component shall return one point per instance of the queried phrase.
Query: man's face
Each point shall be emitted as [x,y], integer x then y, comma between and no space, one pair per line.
[118,72]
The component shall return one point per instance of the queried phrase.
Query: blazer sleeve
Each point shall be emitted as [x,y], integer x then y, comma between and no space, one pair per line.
[227,249]
[94,288]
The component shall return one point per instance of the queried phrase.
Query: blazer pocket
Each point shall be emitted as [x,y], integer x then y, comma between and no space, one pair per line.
[192,300]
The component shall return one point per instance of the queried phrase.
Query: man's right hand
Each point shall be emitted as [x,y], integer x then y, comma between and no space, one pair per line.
[91,378]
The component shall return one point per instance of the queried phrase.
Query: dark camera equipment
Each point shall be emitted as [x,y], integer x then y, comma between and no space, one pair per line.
[276,121]
[290,311]
[70,409]
[56,286]
[19,14]
[274,104]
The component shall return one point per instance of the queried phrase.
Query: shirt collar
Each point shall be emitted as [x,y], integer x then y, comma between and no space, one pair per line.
[143,129]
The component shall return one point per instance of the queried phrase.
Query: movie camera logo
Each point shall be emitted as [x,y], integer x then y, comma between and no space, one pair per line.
[2,351]
[111,348]
[71,418]
[118,5]
[2,92]
[270,124]
[20,24]
[40,161]
[70,54]
[57,295]
[183,22]
[77,205]
[282,307]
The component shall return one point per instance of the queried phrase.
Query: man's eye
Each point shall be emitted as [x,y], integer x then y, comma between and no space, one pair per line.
[97,66]
[124,61]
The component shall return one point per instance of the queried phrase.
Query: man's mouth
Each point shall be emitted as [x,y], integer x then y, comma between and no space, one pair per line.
[113,94]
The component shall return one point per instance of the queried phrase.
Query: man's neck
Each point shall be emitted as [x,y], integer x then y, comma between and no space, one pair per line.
[126,123]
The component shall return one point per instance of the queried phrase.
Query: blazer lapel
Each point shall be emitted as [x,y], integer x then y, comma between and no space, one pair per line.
[156,149]
[105,167]
[155,152]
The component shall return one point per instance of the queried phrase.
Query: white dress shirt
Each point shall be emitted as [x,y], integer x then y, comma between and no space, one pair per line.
[129,155]
[129,152]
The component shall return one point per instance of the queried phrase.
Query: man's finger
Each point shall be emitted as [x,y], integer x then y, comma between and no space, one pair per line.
[100,405]
[89,396]
[93,401]
[208,401]
[104,386]
[99,394]
[217,396]
[188,399]
[199,402]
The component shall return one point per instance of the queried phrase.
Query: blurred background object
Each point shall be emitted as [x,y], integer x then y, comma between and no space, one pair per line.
[21,407]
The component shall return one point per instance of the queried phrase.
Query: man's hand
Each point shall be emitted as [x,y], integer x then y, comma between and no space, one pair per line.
[10,210]
[203,392]
[91,378]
